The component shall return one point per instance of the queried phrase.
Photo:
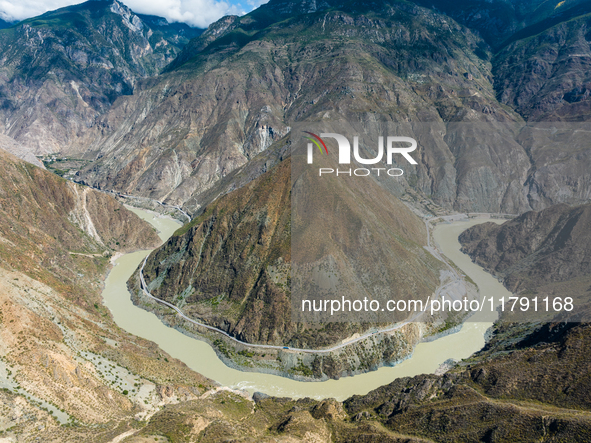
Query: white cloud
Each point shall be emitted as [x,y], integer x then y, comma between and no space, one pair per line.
[193,12]
[256,3]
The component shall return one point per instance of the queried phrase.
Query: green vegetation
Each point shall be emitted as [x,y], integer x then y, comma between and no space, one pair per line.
[302,369]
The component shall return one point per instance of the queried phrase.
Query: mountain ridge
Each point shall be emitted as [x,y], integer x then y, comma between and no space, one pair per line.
[64,68]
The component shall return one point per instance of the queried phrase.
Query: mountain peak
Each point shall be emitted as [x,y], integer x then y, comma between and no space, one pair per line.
[130,20]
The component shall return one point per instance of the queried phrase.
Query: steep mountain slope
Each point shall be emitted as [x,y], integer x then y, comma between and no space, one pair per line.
[15,148]
[542,255]
[64,215]
[500,394]
[4,24]
[260,75]
[230,266]
[60,70]
[536,248]
[501,21]
[219,264]
[545,76]
[62,358]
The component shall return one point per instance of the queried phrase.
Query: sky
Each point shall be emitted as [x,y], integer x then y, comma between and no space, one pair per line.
[193,12]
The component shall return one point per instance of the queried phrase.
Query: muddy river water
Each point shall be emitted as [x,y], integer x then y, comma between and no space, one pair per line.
[199,356]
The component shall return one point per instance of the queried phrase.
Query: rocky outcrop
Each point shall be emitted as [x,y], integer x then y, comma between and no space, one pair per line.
[109,223]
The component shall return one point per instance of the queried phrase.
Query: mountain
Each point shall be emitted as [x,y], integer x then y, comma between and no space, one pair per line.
[495,92]
[288,64]
[535,248]
[66,67]
[539,254]
[63,360]
[255,81]
[258,76]
[500,394]
[471,158]
[502,21]
[551,81]
[231,268]
[5,24]
[15,148]
[46,219]
[441,68]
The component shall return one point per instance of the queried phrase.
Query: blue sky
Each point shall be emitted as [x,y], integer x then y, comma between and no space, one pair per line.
[193,12]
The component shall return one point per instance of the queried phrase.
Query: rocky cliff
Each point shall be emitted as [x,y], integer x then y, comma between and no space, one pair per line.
[544,74]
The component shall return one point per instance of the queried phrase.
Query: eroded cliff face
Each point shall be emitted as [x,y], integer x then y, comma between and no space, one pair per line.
[61,70]
[545,77]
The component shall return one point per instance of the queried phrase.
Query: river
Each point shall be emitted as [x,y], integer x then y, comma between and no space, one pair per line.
[200,357]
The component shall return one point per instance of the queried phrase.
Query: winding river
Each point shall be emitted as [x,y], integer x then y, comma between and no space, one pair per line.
[200,357]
